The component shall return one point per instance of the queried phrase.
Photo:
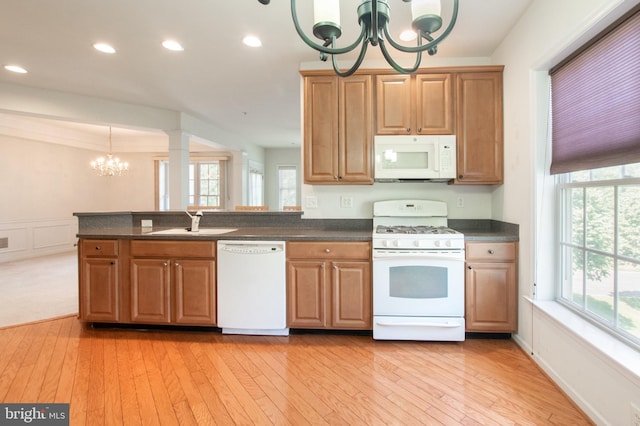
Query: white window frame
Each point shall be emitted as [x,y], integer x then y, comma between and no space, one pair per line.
[162,182]
[565,244]
[282,188]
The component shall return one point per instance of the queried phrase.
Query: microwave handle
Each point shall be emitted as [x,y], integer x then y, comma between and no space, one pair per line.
[437,159]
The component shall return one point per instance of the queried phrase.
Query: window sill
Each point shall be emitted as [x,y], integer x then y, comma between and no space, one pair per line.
[622,355]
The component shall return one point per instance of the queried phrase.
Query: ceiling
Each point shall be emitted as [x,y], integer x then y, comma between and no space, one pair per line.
[251,93]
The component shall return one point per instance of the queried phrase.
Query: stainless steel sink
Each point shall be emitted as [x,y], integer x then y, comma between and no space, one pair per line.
[202,231]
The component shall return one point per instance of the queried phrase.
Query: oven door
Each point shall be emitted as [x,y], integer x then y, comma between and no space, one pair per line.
[418,284]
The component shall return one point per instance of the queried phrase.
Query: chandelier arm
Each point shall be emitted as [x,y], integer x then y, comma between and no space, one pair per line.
[395,65]
[374,23]
[321,48]
[355,66]
[431,44]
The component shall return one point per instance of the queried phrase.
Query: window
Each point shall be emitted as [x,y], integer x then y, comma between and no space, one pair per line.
[600,246]
[287,184]
[206,183]
[595,105]
[256,184]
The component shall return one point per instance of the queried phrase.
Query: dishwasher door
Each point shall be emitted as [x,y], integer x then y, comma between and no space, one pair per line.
[252,288]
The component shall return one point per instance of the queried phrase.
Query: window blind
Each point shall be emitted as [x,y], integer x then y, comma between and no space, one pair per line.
[595,96]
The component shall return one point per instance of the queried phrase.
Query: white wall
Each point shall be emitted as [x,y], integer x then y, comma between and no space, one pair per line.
[547,32]
[43,184]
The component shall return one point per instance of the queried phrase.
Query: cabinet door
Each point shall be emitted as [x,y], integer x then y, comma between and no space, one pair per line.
[306,294]
[434,104]
[351,295]
[150,291]
[491,299]
[479,127]
[99,290]
[321,129]
[194,294]
[393,105]
[355,130]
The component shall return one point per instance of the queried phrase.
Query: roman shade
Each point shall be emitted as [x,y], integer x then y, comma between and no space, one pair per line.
[595,96]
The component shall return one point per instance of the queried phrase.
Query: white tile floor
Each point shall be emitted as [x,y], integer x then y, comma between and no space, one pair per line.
[39,288]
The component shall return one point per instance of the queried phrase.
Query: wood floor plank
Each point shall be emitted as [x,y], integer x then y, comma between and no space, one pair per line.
[126,382]
[134,377]
[51,379]
[64,390]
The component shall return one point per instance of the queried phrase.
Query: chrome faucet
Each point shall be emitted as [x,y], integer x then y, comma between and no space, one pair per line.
[195,220]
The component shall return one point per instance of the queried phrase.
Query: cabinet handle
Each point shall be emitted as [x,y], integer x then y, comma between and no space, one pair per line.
[491,251]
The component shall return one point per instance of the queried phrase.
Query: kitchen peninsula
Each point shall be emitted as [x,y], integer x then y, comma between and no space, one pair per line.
[183,266]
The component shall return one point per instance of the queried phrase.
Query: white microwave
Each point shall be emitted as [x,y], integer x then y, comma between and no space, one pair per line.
[415,157]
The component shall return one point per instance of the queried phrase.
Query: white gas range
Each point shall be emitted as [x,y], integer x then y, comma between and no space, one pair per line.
[418,272]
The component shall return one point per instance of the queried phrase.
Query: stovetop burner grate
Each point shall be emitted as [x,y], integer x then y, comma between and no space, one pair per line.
[402,229]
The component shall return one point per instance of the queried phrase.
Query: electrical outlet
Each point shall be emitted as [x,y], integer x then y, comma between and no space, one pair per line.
[460,202]
[146,223]
[346,202]
[635,415]
[311,202]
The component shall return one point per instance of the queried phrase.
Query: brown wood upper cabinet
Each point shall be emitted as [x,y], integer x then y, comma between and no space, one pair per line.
[479,127]
[420,104]
[338,129]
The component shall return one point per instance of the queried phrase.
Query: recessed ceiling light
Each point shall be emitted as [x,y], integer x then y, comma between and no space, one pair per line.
[408,35]
[172,45]
[104,48]
[252,41]
[15,68]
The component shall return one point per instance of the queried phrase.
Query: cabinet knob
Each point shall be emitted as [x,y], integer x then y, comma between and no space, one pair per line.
[177,264]
[491,251]
[166,263]
[408,129]
[459,176]
[327,250]
[419,129]
[98,247]
[469,267]
[113,262]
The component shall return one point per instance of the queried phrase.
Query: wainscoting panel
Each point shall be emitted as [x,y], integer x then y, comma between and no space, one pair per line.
[33,238]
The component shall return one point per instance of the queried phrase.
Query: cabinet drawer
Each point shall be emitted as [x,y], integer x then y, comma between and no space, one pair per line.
[102,248]
[329,250]
[491,251]
[173,248]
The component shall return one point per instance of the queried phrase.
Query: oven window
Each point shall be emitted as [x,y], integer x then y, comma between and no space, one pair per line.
[418,282]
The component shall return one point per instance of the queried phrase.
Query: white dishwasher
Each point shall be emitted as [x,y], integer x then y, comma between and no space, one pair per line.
[252,289]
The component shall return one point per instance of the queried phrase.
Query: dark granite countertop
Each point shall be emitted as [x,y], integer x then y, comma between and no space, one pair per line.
[263,226]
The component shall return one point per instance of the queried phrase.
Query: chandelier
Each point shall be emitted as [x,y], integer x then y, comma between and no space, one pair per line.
[110,166]
[373,17]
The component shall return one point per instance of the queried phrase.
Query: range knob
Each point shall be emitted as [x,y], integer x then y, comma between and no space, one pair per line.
[437,243]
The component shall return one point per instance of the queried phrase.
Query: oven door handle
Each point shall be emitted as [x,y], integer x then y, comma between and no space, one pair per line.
[400,256]
[419,324]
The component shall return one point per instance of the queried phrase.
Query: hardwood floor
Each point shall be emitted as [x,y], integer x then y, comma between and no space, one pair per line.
[124,376]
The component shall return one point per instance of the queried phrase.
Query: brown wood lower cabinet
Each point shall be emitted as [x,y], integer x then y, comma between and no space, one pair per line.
[148,282]
[99,283]
[491,296]
[329,285]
